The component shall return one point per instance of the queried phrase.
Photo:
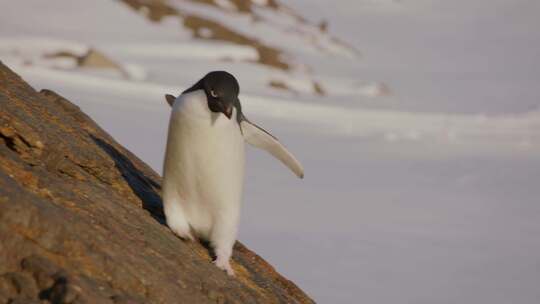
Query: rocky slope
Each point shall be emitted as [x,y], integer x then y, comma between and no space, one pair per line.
[81,222]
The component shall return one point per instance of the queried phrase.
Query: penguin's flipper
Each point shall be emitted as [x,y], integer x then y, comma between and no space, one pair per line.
[170,99]
[258,137]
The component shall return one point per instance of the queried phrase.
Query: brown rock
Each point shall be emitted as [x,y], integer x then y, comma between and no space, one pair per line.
[96,59]
[280,85]
[81,219]
[318,89]
[198,24]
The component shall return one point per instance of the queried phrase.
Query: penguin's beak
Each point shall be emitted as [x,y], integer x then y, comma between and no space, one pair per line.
[228,110]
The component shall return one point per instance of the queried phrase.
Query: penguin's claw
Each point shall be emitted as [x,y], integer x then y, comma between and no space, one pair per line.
[189,237]
[224,265]
[186,236]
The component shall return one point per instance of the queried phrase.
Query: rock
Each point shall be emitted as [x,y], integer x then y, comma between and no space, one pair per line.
[96,59]
[206,28]
[81,219]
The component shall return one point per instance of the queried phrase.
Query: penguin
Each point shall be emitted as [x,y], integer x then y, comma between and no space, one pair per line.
[203,170]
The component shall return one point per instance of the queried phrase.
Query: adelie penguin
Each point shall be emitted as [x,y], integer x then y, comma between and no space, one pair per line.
[203,172]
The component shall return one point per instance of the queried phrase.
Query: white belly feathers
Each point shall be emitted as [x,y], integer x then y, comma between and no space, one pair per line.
[204,167]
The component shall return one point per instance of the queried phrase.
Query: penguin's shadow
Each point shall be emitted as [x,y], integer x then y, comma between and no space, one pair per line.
[141,185]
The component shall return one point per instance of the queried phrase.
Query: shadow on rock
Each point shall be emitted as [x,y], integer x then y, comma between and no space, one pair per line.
[142,186]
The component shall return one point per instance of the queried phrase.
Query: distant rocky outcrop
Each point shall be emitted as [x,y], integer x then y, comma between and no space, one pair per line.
[205,28]
[282,20]
[81,219]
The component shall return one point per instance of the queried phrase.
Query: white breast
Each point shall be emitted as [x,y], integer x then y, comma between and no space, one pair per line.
[204,164]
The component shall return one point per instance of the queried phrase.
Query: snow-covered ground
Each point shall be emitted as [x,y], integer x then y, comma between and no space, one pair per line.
[425,192]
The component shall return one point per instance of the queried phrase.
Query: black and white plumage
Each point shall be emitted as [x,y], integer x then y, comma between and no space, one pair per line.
[203,172]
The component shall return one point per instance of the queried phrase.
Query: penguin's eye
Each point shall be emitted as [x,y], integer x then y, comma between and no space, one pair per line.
[213,93]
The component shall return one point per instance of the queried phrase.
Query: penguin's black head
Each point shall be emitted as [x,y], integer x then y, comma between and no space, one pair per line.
[221,90]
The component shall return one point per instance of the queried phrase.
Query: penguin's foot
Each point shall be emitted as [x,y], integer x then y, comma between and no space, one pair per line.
[224,264]
[180,227]
[183,234]
[188,237]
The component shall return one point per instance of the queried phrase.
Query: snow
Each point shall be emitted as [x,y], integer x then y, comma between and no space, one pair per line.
[428,194]
[226,4]
[195,50]
[40,51]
